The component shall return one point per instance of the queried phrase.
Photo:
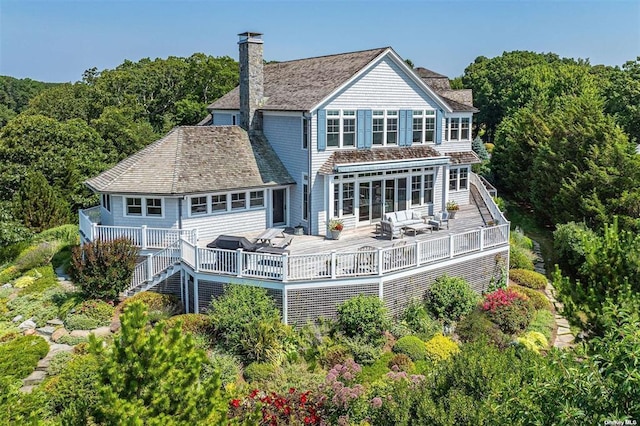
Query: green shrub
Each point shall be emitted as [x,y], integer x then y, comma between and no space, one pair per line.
[68,303]
[518,239]
[24,281]
[226,365]
[375,371]
[336,354]
[538,299]
[411,346]
[450,298]
[96,309]
[477,327]
[74,386]
[520,258]
[543,322]
[160,306]
[568,244]
[58,362]
[39,306]
[363,351]
[37,255]
[533,341]
[80,322]
[240,308]
[64,234]
[103,269]
[44,278]
[440,348]
[258,372]
[363,316]
[19,357]
[401,362]
[192,323]
[418,320]
[527,278]
[9,273]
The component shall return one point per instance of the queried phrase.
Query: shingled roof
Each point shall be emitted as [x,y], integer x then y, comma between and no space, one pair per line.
[301,84]
[196,159]
[463,157]
[353,156]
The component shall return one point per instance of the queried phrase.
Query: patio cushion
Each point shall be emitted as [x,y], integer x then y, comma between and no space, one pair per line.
[402,216]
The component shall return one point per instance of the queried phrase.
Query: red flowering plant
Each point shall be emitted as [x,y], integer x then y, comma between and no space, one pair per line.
[511,311]
[295,407]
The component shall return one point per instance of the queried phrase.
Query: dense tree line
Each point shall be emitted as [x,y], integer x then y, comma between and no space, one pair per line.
[69,132]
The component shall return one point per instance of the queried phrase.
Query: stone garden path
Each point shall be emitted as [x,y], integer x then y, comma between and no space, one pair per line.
[563,338]
[51,332]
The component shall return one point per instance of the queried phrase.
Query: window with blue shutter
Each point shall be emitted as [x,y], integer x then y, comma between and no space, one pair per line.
[368,128]
[360,124]
[322,130]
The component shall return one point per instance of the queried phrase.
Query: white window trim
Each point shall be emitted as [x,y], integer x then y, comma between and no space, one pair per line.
[306,125]
[228,209]
[341,117]
[457,188]
[143,205]
[423,115]
[458,118]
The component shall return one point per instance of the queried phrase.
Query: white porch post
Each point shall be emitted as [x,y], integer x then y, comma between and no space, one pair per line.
[143,237]
[149,267]
[329,210]
[333,264]
[239,263]
[481,238]
[451,246]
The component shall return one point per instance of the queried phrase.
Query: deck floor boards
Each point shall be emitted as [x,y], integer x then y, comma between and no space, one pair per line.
[468,218]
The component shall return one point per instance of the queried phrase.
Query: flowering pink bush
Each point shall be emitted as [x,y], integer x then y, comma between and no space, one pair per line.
[510,310]
[499,298]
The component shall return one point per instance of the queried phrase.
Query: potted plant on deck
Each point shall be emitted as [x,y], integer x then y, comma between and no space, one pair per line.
[452,208]
[335,228]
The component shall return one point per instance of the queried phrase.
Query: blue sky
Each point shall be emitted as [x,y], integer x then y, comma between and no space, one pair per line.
[57,40]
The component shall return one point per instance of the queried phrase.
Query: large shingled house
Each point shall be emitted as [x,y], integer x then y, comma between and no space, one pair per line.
[360,137]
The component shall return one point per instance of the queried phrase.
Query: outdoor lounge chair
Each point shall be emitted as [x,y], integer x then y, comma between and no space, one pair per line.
[439,220]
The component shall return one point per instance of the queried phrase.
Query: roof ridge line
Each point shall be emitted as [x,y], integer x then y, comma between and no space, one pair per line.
[327,56]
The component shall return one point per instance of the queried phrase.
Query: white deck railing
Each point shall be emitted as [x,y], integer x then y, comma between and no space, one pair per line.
[181,246]
[141,236]
[497,215]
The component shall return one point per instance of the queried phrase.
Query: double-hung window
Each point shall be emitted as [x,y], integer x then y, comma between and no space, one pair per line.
[464,129]
[458,129]
[106,202]
[424,126]
[333,128]
[154,206]
[347,198]
[218,203]
[428,189]
[198,205]
[348,128]
[256,199]
[305,133]
[238,200]
[341,128]
[418,126]
[458,178]
[378,127]
[392,128]
[416,188]
[134,206]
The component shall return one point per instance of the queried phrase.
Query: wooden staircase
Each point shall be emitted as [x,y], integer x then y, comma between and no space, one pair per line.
[482,207]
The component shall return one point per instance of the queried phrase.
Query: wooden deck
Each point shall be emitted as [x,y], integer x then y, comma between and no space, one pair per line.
[468,218]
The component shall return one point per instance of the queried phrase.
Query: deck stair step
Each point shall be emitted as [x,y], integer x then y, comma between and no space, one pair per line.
[155,280]
[482,207]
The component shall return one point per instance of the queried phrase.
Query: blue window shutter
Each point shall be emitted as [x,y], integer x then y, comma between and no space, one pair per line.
[402,128]
[408,141]
[360,124]
[438,127]
[368,128]
[322,130]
